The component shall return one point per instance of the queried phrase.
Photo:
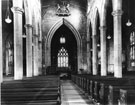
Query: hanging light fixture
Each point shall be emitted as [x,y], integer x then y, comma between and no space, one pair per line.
[8,14]
[128,22]
[62,40]
[109,36]
[98,45]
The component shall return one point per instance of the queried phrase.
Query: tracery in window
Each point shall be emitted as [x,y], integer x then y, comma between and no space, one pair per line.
[132,48]
[62,58]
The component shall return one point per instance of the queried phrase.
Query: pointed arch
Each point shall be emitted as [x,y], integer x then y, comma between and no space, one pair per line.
[52,32]
[97,19]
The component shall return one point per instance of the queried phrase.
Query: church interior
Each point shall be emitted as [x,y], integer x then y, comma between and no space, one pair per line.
[67,52]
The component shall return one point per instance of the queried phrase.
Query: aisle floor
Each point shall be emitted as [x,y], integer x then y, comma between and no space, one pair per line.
[71,94]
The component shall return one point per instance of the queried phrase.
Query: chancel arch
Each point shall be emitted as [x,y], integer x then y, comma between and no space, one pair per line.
[50,35]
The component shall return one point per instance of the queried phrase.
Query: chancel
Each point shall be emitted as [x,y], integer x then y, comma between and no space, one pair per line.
[67,52]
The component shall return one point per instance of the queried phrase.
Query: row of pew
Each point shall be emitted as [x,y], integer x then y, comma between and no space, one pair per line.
[107,90]
[43,90]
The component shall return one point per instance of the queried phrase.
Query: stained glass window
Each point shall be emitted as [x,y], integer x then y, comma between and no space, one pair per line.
[132,48]
[62,58]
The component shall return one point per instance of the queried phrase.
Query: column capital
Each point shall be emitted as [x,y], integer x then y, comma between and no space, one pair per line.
[88,41]
[35,35]
[117,13]
[28,26]
[93,36]
[17,10]
[102,27]
[39,42]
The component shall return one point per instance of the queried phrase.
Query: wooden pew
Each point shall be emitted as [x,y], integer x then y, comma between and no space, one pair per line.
[113,94]
[107,90]
[127,97]
[36,90]
[101,85]
[99,89]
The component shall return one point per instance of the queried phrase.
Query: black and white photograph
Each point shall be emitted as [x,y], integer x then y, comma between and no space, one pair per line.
[67,52]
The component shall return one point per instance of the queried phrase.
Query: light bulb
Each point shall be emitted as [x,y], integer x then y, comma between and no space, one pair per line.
[128,23]
[108,37]
[98,45]
[64,40]
[60,40]
[8,20]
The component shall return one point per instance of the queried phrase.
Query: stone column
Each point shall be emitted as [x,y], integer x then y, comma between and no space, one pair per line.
[40,47]
[88,57]
[95,61]
[29,50]
[40,56]
[18,56]
[103,51]
[1,48]
[36,72]
[117,14]
[88,48]
[117,43]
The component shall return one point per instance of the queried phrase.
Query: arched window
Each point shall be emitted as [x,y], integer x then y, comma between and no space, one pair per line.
[9,58]
[62,58]
[132,49]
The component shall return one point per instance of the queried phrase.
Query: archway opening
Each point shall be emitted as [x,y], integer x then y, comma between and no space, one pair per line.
[128,37]
[110,39]
[69,49]
[24,45]
[91,49]
[98,42]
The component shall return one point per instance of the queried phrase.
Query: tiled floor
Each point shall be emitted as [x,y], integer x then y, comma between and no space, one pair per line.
[71,94]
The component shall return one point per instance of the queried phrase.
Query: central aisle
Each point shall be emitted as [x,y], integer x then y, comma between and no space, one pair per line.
[71,94]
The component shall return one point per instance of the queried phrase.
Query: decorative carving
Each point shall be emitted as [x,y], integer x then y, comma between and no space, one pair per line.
[110,95]
[91,85]
[123,96]
[101,91]
[87,85]
[63,9]
[95,89]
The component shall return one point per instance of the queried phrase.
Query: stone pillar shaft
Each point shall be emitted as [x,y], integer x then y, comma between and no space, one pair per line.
[88,57]
[18,56]
[7,60]
[29,50]
[103,51]
[1,51]
[117,43]
[88,48]
[40,57]
[95,62]
[36,55]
